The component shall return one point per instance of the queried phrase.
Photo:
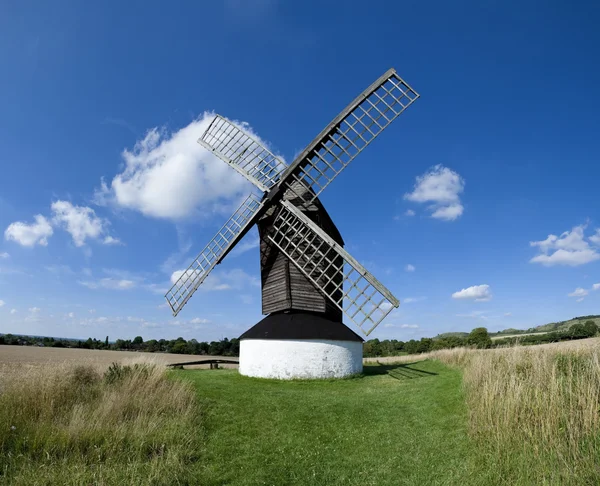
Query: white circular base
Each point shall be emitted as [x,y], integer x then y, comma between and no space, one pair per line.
[286,359]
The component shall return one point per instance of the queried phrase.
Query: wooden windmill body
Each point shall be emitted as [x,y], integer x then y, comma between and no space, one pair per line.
[309,282]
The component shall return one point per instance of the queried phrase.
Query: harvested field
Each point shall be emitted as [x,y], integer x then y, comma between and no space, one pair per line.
[11,356]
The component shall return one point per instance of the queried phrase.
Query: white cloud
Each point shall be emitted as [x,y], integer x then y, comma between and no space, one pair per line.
[198,320]
[109,283]
[480,293]
[2,303]
[34,310]
[596,238]
[109,240]
[570,248]
[92,311]
[580,299]
[596,286]
[579,292]
[409,212]
[171,176]
[30,234]
[13,311]
[507,314]
[4,255]
[448,213]
[410,268]
[564,257]
[401,326]
[441,187]
[71,315]
[80,222]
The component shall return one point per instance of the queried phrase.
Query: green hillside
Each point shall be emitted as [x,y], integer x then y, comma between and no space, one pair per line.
[552,326]
[446,335]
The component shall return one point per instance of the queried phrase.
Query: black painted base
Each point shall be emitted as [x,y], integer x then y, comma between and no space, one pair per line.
[300,325]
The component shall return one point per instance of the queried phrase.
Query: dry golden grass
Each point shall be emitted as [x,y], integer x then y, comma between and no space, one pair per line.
[533,411]
[71,424]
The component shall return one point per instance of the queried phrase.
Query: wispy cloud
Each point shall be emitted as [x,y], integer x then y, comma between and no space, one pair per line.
[109,283]
[401,326]
[30,234]
[579,292]
[479,293]
[441,187]
[570,248]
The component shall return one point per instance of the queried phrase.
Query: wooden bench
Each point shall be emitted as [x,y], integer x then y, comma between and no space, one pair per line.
[214,363]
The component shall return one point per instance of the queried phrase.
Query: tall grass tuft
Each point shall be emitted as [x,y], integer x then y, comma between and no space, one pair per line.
[534,412]
[132,424]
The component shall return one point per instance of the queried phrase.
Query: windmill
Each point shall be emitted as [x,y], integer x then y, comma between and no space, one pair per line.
[308,280]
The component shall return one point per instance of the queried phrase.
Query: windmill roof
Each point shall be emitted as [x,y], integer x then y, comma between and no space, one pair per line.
[300,325]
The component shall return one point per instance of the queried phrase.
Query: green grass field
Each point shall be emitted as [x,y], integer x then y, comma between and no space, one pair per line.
[398,424]
[514,416]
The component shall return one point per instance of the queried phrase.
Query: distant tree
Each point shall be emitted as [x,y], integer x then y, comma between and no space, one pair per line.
[106,342]
[442,343]
[204,347]
[424,345]
[371,348]
[591,328]
[138,341]
[178,348]
[411,346]
[152,346]
[480,338]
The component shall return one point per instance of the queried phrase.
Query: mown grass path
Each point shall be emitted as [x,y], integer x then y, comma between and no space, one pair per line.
[398,424]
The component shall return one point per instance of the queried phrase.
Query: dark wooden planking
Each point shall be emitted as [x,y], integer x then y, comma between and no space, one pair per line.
[284,286]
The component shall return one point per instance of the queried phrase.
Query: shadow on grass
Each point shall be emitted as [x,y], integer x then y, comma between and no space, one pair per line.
[399,371]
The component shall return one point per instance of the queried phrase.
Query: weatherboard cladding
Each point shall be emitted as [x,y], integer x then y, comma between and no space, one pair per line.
[284,286]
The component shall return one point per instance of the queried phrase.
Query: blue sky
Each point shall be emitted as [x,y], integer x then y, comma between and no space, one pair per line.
[104,192]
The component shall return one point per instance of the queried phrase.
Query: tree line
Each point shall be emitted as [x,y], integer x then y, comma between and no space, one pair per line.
[224,347]
[478,337]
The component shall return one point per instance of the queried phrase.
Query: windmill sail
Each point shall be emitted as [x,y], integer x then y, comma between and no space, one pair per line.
[227,237]
[359,294]
[350,132]
[242,152]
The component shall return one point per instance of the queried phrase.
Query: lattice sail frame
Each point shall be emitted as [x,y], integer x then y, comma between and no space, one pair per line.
[350,133]
[360,296]
[213,253]
[242,152]
[316,167]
